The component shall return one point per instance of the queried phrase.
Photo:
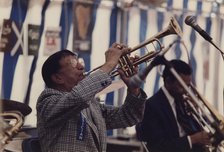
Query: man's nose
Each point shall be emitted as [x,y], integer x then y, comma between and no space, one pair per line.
[81,63]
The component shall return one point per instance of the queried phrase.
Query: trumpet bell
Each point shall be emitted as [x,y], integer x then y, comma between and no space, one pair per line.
[174,27]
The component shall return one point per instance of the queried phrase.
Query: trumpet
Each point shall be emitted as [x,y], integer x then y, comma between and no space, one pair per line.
[124,61]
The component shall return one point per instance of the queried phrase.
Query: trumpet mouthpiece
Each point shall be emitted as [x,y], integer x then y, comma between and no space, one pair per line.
[86,73]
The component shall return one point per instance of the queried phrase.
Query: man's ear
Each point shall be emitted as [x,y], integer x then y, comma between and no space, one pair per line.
[56,78]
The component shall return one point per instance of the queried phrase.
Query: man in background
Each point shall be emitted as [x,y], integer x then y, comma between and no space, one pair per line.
[166,127]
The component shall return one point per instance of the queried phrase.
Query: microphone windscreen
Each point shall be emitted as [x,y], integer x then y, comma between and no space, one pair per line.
[189,20]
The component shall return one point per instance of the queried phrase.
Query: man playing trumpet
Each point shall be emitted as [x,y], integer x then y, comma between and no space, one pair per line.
[69,118]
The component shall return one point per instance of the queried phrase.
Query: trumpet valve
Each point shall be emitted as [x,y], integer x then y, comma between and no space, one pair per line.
[126,65]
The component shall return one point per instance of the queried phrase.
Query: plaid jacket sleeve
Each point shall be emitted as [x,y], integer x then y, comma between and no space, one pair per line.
[129,114]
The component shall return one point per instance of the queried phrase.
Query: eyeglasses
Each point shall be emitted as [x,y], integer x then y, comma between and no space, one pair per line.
[77,61]
[74,63]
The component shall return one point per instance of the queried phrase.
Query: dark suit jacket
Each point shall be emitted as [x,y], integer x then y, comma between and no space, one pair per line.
[159,128]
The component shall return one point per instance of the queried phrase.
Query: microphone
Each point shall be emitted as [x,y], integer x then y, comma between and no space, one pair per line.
[191,21]
[138,79]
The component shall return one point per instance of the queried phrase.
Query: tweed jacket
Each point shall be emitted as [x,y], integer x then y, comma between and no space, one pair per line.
[77,122]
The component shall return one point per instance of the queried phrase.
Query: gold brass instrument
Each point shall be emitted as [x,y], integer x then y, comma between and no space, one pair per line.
[207,117]
[12,124]
[11,120]
[124,61]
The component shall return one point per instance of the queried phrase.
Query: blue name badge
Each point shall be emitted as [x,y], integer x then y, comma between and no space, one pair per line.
[81,128]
